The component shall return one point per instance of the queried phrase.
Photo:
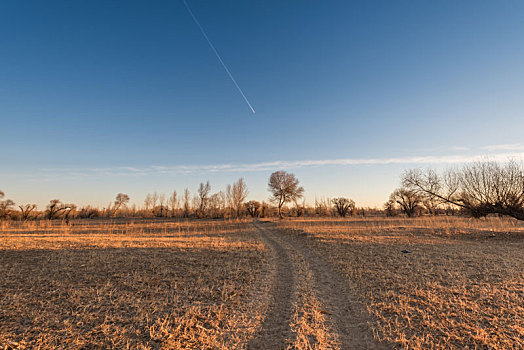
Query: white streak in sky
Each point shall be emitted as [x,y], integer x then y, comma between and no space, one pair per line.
[218,56]
[276,165]
[505,147]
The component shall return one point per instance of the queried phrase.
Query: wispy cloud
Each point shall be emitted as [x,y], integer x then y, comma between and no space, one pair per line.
[505,147]
[459,148]
[275,165]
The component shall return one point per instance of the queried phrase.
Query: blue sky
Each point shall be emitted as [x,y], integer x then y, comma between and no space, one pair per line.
[101,97]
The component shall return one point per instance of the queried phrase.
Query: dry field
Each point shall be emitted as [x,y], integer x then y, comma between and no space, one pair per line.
[298,283]
[130,284]
[429,283]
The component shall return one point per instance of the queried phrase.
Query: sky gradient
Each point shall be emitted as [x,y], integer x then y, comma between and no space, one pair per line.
[101,97]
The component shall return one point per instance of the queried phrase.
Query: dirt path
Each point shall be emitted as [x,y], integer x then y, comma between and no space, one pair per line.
[346,317]
[276,327]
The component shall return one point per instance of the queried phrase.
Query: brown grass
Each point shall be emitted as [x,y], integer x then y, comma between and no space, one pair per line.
[150,284]
[309,325]
[124,285]
[461,284]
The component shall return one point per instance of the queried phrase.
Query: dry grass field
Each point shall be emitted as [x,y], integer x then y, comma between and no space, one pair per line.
[430,282]
[356,283]
[129,284]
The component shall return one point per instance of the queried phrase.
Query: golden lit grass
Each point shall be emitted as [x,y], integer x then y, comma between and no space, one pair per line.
[148,284]
[309,326]
[460,284]
[126,284]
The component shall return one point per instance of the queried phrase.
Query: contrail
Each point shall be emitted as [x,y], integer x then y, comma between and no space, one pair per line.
[218,56]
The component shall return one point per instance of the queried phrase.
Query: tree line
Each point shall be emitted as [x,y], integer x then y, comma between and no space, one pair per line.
[476,189]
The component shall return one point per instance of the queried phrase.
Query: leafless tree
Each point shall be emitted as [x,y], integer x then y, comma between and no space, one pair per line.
[148,202]
[71,208]
[300,207]
[407,199]
[121,199]
[88,212]
[264,208]
[187,204]
[343,205]
[389,208]
[162,210]
[173,202]
[56,207]
[252,208]
[322,206]
[154,199]
[239,195]
[26,210]
[6,206]
[217,205]
[203,198]
[284,187]
[480,188]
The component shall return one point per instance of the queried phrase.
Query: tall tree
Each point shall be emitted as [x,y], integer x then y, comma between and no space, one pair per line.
[173,202]
[148,201]
[407,199]
[343,205]
[239,195]
[203,191]
[284,187]
[121,199]
[187,204]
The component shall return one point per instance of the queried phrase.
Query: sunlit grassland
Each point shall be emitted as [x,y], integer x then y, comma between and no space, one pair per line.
[441,282]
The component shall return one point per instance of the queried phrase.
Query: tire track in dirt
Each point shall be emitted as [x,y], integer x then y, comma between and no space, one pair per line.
[275,329]
[346,315]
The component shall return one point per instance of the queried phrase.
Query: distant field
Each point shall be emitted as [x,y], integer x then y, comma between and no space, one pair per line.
[298,283]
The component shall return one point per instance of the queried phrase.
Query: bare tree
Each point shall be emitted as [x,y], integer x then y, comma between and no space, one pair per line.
[322,206]
[389,208]
[71,208]
[407,199]
[5,206]
[284,187]
[173,202]
[161,212]
[121,199]
[264,208]
[300,207]
[343,205]
[217,205]
[252,208]
[480,188]
[239,195]
[55,208]
[88,212]
[26,210]
[187,204]
[229,200]
[203,198]
[154,199]
[148,202]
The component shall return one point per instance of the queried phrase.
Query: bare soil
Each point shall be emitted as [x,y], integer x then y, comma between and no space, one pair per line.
[344,318]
